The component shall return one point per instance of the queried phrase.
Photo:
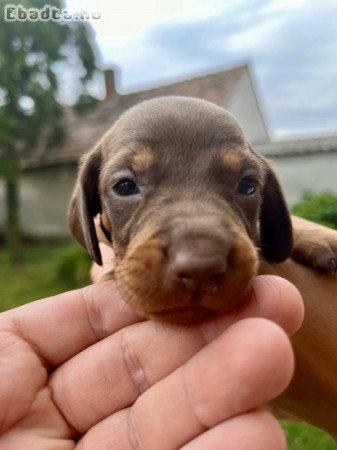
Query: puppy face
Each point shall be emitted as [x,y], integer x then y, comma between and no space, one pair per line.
[185,203]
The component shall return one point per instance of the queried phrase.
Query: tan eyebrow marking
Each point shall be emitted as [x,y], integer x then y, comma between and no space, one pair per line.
[232,159]
[142,159]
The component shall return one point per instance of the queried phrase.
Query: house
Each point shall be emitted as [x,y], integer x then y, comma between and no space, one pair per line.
[308,164]
[49,174]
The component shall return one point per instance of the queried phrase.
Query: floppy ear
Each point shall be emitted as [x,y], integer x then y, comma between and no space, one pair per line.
[85,205]
[275,222]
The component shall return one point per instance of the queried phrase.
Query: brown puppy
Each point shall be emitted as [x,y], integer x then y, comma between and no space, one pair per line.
[193,214]
[180,195]
[312,394]
[188,207]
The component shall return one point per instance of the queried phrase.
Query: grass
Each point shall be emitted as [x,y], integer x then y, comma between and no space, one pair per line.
[51,269]
[46,270]
[301,436]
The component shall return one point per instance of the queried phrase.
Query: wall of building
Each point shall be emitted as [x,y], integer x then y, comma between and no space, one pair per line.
[315,173]
[45,194]
[245,107]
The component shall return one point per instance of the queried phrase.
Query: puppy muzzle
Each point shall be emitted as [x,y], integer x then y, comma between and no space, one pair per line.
[187,266]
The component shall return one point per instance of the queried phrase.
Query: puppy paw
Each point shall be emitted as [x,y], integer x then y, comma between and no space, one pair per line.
[317,248]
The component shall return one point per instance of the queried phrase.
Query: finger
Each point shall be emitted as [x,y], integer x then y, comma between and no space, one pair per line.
[17,387]
[108,258]
[115,371]
[272,290]
[41,428]
[245,367]
[61,326]
[274,298]
[255,430]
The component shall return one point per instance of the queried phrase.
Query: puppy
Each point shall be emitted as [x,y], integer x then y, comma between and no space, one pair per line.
[193,214]
[189,208]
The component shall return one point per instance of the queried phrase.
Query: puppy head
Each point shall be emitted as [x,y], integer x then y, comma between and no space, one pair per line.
[185,203]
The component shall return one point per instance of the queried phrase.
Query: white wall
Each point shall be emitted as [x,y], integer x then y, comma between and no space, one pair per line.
[244,106]
[44,197]
[315,173]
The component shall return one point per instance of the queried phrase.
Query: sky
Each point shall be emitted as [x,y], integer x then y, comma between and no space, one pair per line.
[291,46]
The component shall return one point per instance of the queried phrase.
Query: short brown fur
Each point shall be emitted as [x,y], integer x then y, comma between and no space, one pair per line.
[232,159]
[194,169]
[142,159]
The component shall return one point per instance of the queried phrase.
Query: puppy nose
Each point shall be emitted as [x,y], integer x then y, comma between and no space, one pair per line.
[197,270]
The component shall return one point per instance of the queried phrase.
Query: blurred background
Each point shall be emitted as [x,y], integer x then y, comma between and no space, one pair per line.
[69,69]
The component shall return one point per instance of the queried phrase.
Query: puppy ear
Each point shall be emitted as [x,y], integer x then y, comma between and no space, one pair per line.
[275,222]
[85,205]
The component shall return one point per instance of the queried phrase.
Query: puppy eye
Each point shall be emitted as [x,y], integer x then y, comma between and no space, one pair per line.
[126,187]
[247,186]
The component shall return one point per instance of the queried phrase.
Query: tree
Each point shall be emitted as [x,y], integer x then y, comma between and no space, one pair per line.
[31,52]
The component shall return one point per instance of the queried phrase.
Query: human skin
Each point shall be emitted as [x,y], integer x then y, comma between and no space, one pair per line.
[82,370]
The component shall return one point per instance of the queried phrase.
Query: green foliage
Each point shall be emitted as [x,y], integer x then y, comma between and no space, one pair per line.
[45,270]
[30,53]
[72,270]
[301,436]
[320,208]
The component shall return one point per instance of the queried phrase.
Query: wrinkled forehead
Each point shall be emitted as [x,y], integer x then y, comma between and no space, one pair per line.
[179,130]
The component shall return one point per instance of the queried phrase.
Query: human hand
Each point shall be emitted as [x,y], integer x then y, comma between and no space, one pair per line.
[81,370]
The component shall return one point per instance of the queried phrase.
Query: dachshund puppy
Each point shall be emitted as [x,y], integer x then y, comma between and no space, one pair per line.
[189,208]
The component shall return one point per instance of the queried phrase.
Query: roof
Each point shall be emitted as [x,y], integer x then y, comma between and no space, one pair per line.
[322,144]
[82,132]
